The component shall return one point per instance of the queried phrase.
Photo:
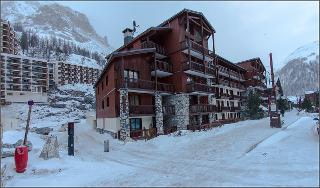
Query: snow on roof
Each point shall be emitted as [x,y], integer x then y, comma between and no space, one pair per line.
[83,61]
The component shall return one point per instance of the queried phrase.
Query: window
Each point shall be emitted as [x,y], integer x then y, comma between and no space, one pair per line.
[189,79]
[107,101]
[134,100]
[135,124]
[107,81]
[103,104]
[132,76]
[102,86]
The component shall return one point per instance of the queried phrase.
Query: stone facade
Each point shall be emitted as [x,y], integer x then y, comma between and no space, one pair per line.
[159,113]
[181,104]
[211,101]
[124,115]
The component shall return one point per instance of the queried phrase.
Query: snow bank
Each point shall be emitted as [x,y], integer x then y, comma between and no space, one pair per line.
[83,61]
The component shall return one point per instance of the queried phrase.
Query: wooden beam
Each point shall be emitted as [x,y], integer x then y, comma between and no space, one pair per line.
[194,17]
[188,31]
[202,43]
[155,70]
[207,27]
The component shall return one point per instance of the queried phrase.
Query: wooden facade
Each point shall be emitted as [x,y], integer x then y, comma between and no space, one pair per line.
[172,59]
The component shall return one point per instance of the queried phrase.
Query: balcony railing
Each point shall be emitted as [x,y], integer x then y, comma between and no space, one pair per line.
[234,109]
[198,68]
[146,85]
[168,110]
[202,108]
[197,87]
[162,66]
[141,109]
[225,109]
[196,47]
[150,44]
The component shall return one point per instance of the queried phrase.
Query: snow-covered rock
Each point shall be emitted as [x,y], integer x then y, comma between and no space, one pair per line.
[50,149]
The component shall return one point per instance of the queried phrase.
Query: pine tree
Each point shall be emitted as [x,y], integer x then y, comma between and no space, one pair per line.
[252,109]
[282,105]
[24,42]
[306,104]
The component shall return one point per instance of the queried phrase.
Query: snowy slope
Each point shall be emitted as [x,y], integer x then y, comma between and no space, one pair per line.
[52,19]
[83,61]
[307,52]
[247,153]
[300,71]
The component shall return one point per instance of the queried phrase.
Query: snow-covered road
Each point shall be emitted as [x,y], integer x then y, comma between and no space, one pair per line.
[247,153]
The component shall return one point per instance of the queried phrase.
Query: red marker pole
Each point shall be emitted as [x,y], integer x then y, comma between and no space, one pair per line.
[21,152]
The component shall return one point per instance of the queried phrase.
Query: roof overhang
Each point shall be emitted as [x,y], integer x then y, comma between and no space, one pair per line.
[115,55]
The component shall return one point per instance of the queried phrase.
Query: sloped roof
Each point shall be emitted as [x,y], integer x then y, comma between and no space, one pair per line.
[230,63]
[252,59]
[190,11]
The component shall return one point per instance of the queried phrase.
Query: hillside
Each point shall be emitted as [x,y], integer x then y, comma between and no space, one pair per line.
[300,72]
[49,19]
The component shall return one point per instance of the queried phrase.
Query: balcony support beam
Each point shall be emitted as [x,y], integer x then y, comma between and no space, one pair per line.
[159,113]
[124,115]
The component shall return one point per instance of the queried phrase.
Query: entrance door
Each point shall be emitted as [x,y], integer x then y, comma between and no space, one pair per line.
[135,127]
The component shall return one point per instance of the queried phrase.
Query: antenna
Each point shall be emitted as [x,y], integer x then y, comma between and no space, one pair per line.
[134,25]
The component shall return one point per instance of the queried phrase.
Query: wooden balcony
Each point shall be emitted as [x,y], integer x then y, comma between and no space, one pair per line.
[139,110]
[202,108]
[235,109]
[150,44]
[168,110]
[225,109]
[224,96]
[196,47]
[147,85]
[198,69]
[163,68]
[199,88]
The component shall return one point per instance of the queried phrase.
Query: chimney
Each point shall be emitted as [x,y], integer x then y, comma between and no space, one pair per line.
[128,35]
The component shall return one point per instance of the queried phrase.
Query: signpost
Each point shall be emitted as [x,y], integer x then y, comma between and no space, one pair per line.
[273,108]
[71,138]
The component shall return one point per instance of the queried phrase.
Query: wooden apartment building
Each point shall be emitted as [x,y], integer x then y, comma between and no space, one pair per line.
[167,79]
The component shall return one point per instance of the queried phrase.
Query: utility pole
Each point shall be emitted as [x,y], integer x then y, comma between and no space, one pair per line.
[273,109]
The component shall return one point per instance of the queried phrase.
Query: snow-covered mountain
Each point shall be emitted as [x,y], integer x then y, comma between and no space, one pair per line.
[300,72]
[52,19]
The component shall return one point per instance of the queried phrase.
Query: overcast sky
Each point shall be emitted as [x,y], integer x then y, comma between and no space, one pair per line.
[243,29]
